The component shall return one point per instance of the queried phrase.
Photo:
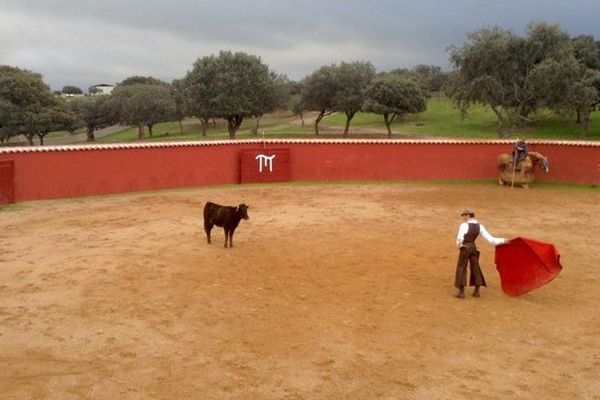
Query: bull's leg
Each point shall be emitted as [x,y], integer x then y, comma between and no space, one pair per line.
[226,236]
[231,237]
[207,228]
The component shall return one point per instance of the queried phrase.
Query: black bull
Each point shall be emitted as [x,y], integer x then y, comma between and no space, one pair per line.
[224,216]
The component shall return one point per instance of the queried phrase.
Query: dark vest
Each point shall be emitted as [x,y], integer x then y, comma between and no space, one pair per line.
[472,233]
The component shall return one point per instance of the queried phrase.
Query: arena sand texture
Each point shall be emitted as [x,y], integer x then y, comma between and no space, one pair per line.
[332,291]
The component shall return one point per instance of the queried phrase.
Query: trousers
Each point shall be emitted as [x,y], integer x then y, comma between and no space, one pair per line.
[468,256]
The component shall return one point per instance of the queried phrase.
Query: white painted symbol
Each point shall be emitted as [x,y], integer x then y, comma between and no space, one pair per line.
[265,161]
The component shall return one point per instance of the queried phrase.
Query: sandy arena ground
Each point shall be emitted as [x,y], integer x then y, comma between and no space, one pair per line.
[332,291]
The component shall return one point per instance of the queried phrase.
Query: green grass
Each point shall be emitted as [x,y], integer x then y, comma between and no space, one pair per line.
[440,120]
[11,207]
[65,133]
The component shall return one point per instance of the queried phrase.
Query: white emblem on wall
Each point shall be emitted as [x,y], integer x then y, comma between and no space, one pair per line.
[265,161]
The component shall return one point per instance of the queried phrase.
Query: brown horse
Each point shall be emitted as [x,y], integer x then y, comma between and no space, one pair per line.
[522,173]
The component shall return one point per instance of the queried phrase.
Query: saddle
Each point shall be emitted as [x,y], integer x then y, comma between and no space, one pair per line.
[524,164]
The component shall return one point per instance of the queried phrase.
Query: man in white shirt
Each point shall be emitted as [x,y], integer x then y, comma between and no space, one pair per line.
[468,232]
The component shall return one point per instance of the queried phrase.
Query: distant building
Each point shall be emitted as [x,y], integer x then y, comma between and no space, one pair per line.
[101,89]
[72,94]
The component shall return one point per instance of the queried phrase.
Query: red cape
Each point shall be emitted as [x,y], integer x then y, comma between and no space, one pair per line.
[526,264]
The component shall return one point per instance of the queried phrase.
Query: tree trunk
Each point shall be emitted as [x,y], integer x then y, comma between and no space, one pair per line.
[388,122]
[233,124]
[181,126]
[317,120]
[256,125]
[150,129]
[578,120]
[204,125]
[302,119]
[29,139]
[349,116]
[90,134]
[231,129]
[522,111]
[501,122]
[140,131]
[585,121]
[41,136]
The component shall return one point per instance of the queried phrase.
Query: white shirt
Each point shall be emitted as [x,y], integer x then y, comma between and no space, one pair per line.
[464,228]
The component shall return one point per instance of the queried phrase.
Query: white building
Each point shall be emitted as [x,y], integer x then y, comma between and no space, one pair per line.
[101,89]
[72,94]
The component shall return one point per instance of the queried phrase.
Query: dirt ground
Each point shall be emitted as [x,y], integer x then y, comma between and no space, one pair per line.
[332,291]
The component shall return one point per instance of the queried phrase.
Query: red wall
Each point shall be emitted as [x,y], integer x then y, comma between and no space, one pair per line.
[7,181]
[70,171]
[254,169]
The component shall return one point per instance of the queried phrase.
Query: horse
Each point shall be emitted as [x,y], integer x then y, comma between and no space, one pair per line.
[522,173]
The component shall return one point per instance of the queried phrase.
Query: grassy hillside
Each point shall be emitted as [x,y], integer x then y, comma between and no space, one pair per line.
[441,120]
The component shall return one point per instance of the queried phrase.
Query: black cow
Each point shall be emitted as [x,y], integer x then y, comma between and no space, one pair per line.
[225,216]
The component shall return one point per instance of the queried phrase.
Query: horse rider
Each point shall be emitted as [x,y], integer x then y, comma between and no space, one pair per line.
[519,152]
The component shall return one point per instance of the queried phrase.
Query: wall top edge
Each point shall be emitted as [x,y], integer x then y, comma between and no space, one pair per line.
[119,146]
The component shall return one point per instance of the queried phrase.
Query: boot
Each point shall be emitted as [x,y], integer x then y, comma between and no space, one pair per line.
[476,292]
[461,293]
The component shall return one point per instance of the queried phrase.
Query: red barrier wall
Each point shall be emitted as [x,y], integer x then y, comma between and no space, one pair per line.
[7,181]
[70,171]
[265,165]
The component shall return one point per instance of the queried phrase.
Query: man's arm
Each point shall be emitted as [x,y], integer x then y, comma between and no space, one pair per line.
[491,239]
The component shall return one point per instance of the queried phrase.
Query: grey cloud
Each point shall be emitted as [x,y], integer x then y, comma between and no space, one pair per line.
[86,42]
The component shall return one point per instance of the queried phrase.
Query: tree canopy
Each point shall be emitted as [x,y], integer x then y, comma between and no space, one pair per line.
[232,86]
[141,80]
[70,89]
[142,105]
[393,96]
[273,96]
[430,77]
[318,93]
[337,88]
[49,119]
[511,74]
[351,80]
[94,111]
[27,105]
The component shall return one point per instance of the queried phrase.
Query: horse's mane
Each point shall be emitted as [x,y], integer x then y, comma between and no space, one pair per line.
[535,154]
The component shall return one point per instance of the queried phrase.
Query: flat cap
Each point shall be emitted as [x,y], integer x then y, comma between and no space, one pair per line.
[468,211]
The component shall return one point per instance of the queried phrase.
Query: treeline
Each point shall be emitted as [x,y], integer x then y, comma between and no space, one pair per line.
[513,75]
[229,86]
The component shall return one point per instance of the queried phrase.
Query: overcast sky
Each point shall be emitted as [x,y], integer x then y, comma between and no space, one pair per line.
[87,42]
